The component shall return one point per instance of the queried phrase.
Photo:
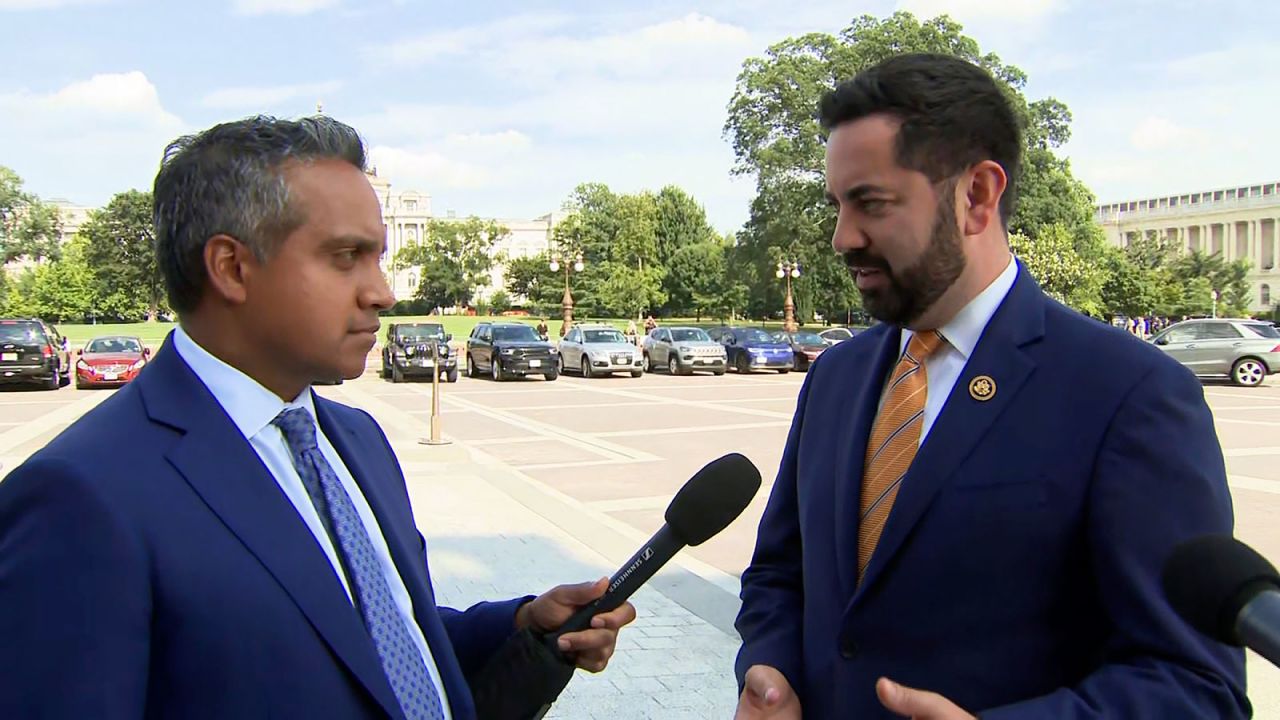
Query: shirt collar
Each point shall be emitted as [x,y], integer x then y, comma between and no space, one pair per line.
[249,405]
[965,329]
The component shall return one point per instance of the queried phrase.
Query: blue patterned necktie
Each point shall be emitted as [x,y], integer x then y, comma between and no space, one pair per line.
[400,658]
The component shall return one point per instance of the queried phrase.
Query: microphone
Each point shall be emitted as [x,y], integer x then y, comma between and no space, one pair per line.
[713,498]
[1226,590]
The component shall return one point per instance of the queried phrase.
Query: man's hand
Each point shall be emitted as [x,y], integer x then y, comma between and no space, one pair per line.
[767,696]
[918,704]
[590,648]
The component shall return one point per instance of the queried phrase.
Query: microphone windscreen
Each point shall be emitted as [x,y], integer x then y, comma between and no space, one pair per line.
[1210,579]
[713,498]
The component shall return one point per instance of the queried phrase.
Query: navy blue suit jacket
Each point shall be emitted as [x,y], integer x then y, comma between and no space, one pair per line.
[150,566]
[1018,573]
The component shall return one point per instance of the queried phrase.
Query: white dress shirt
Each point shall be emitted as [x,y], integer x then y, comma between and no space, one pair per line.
[945,365]
[251,408]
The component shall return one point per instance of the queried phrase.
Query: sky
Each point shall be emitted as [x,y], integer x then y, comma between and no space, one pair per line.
[501,108]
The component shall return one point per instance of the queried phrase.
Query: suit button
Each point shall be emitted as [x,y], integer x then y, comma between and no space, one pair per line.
[848,649]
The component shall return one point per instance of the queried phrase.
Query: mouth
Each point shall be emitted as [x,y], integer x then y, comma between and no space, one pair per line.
[867,277]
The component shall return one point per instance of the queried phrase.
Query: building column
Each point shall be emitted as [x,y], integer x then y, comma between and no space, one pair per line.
[1228,241]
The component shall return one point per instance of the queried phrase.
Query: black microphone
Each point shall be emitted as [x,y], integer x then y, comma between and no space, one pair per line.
[1226,590]
[712,499]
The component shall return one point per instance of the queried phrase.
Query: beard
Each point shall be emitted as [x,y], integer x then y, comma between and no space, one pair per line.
[911,292]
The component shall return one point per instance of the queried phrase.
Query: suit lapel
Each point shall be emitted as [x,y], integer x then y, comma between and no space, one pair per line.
[223,469]
[365,468]
[863,401]
[964,420]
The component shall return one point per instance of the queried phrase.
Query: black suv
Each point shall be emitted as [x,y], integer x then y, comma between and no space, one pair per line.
[33,351]
[506,350]
[406,353]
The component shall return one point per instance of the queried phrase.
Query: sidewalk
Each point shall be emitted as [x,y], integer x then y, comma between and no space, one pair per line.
[493,533]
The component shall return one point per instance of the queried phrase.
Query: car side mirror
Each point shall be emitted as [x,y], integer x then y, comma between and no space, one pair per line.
[448,337]
[146,352]
[79,353]
[1162,341]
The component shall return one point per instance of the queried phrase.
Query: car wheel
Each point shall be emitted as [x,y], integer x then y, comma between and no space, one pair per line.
[645,364]
[495,370]
[673,365]
[66,378]
[1248,372]
[742,366]
[385,373]
[783,371]
[552,375]
[396,375]
[451,376]
[560,364]
[718,373]
[471,367]
[586,367]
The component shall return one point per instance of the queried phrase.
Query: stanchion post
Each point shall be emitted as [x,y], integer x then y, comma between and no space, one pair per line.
[435,438]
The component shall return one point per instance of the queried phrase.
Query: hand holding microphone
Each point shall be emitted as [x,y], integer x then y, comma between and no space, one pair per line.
[712,499]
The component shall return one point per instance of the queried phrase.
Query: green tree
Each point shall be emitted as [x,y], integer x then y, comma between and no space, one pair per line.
[1061,271]
[776,138]
[453,259]
[499,302]
[64,289]
[120,251]
[29,228]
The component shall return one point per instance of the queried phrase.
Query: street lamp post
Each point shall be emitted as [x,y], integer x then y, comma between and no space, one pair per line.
[567,302]
[788,269]
[1215,303]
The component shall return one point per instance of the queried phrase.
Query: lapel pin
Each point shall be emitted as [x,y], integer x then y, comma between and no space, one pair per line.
[982,388]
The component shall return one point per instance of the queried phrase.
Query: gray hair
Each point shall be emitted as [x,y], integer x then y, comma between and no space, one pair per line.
[229,180]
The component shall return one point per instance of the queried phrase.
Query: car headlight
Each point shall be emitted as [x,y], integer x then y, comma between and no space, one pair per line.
[683,349]
[508,351]
[138,365]
[83,365]
[555,351]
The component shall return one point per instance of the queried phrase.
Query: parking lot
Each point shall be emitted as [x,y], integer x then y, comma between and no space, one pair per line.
[621,446]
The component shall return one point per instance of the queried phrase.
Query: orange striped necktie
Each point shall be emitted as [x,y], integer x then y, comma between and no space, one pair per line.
[894,440]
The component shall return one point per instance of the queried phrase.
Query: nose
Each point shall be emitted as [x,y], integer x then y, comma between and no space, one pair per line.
[379,295]
[847,236]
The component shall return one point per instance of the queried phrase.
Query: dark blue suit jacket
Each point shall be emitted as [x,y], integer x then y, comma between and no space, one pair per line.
[150,566]
[1019,570]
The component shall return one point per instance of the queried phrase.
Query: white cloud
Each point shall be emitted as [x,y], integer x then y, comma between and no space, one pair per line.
[267,97]
[1018,11]
[281,7]
[111,128]
[424,167]
[1160,133]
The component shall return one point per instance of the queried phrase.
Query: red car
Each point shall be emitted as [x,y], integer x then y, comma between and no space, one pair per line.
[110,361]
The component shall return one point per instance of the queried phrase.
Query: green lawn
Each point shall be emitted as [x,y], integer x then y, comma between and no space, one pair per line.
[153,333]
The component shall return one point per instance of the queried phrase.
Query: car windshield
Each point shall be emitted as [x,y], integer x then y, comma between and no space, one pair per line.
[1264,330]
[114,345]
[419,333]
[515,333]
[808,338]
[755,335]
[603,336]
[20,333]
[689,335]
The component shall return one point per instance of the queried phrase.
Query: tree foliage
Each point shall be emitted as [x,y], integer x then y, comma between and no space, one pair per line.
[119,248]
[29,228]
[453,259]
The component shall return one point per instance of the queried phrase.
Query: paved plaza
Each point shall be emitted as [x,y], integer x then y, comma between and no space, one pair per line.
[553,482]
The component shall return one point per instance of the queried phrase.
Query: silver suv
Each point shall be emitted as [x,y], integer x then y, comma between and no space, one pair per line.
[681,350]
[1246,351]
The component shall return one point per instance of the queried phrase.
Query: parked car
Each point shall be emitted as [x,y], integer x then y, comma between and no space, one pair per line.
[110,361]
[749,349]
[32,351]
[507,350]
[407,352]
[1245,351]
[598,350]
[834,335]
[682,350]
[805,345]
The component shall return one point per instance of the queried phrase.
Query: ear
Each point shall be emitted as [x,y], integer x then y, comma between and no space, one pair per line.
[980,191]
[228,263]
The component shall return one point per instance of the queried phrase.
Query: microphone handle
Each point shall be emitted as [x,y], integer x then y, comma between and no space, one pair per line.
[652,555]
[1259,625]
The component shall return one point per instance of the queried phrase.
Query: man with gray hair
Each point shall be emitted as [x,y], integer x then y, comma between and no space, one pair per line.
[216,541]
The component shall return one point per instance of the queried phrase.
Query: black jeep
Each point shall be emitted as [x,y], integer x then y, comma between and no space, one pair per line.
[407,352]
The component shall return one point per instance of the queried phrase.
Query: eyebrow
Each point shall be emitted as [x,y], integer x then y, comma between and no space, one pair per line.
[858,192]
[359,242]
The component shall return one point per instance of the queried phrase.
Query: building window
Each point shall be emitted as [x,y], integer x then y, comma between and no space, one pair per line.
[410,205]
[413,281]
[1266,294]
